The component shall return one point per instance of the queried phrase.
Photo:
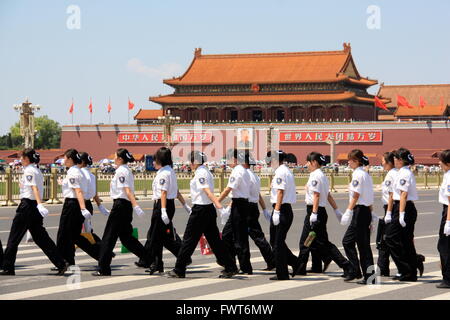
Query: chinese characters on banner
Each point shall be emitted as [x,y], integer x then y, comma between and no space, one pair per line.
[323,136]
[157,137]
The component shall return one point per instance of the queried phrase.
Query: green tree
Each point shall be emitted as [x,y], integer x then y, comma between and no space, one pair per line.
[48,135]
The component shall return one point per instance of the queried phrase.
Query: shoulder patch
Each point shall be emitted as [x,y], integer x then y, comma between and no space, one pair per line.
[72,180]
[29,178]
[162,181]
[402,182]
[232,179]
[448,188]
[388,183]
[314,183]
[122,179]
[355,183]
[202,180]
[279,180]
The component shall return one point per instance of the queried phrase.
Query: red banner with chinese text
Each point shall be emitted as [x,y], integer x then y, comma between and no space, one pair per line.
[323,136]
[157,137]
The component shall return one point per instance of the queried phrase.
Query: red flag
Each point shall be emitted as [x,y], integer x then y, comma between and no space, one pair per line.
[71,108]
[402,102]
[90,106]
[109,107]
[130,104]
[422,102]
[380,104]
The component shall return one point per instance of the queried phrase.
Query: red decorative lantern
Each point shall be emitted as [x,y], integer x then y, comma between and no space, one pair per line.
[255,88]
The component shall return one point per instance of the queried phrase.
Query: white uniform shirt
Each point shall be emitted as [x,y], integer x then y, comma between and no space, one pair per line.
[283,180]
[74,179]
[317,182]
[362,184]
[123,178]
[91,190]
[239,181]
[165,180]
[202,179]
[406,181]
[255,187]
[444,191]
[32,176]
[388,185]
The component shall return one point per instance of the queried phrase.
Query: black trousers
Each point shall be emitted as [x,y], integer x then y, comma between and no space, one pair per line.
[257,235]
[70,225]
[160,235]
[283,255]
[203,220]
[401,240]
[321,244]
[1,253]
[235,233]
[358,234]
[444,248]
[118,226]
[383,249]
[28,218]
[92,250]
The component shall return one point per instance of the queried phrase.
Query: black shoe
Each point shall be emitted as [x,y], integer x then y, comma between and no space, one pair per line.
[300,270]
[350,277]
[276,278]
[227,274]
[141,265]
[101,274]
[245,272]
[54,269]
[173,274]
[7,273]
[62,270]
[408,278]
[313,271]
[443,285]
[385,274]
[326,264]
[269,268]
[420,261]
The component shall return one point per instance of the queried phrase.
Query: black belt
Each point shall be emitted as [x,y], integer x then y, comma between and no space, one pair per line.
[240,199]
[408,201]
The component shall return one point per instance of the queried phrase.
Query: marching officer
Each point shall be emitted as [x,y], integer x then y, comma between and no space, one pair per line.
[444,230]
[316,197]
[235,231]
[358,217]
[121,215]
[161,232]
[30,215]
[400,225]
[282,196]
[74,212]
[203,219]
[254,228]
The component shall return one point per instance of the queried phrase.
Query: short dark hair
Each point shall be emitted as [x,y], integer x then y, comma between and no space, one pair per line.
[291,158]
[359,156]
[405,156]
[316,156]
[74,155]
[444,156]
[125,155]
[32,155]
[389,157]
[86,158]
[163,156]
[196,156]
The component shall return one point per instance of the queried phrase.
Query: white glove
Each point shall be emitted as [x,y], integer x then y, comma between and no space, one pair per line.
[347,217]
[338,214]
[388,217]
[225,214]
[402,219]
[267,215]
[374,218]
[313,218]
[276,217]
[139,212]
[103,210]
[87,226]
[42,210]
[447,228]
[187,208]
[164,216]
[86,214]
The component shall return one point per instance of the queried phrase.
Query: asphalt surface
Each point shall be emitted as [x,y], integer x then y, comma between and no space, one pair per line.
[33,279]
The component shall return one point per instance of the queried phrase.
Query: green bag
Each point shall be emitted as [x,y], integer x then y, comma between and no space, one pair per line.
[135,235]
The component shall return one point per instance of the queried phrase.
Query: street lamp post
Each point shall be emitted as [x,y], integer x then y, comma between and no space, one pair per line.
[168,121]
[332,141]
[27,131]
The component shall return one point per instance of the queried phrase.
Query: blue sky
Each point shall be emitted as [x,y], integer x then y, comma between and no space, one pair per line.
[125,48]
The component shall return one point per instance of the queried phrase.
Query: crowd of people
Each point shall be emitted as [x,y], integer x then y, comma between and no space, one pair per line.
[395,235]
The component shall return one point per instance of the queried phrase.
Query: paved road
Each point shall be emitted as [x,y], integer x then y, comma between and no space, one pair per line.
[32,280]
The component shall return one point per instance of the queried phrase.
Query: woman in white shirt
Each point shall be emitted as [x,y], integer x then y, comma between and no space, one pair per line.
[30,215]
[444,230]
[119,220]
[358,217]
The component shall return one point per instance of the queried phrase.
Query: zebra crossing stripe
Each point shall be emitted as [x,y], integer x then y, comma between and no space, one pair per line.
[443,296]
